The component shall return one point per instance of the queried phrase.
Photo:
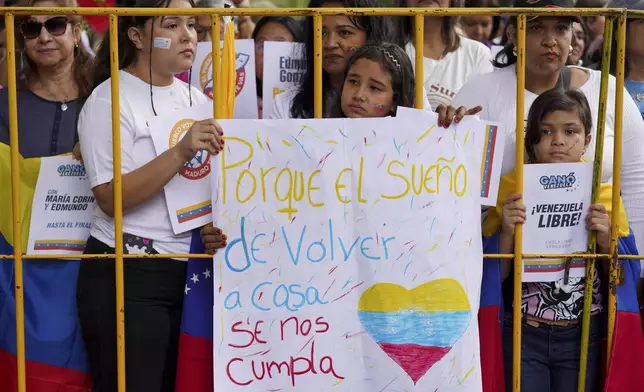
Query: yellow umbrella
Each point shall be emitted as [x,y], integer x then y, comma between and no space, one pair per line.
[225,89]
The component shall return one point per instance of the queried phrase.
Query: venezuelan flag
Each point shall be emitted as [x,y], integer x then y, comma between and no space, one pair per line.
[56,359]
[625,372]
[195,364]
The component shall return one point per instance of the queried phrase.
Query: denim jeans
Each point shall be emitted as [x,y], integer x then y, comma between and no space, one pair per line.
[550,356]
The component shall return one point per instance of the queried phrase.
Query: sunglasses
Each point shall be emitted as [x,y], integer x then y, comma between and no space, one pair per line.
[54,26]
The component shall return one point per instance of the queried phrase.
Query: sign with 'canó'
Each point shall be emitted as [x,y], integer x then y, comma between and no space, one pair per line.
[352,262]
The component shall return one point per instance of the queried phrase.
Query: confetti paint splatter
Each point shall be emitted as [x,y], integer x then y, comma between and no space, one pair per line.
[302,147]
[397,146]
[427,132]
[286,143]
[259,142]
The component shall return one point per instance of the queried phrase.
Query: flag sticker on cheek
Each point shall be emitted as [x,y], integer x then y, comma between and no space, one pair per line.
[380,108]
[162,43]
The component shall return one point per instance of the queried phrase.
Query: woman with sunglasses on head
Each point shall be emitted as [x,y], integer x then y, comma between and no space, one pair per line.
[54,72]
[151,51]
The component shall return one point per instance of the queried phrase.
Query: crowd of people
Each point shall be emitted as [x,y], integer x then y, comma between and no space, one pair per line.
[469,68]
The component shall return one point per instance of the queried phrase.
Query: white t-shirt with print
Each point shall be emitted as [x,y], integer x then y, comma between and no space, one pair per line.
[496,93]
[149,220]
[444,78]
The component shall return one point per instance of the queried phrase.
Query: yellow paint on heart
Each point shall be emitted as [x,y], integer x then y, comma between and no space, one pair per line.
[439,295]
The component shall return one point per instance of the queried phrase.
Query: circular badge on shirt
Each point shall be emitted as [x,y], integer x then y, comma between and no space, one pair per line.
[199,166]
[205,74]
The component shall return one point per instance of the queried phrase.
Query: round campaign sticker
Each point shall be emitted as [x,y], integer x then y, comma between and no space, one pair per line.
[205,74]
[199,166]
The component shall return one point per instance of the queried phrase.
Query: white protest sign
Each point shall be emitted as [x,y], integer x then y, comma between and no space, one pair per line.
[188,194]
[245,90]
[62,208]
[557,197]
[352,262]
[490,141]
[284,67]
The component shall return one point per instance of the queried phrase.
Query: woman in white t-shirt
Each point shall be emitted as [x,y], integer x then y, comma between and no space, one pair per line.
[548,42]
[151,51]
[450,59]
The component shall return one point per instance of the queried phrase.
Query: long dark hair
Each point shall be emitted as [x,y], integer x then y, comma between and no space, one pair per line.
[552,101]
[377,29]
[28,71]
[127,50]
[394,60]
[294,27]
[448,29]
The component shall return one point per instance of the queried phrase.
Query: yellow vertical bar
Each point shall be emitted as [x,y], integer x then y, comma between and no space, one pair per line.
[419,24]
[118,203]
[215,35]
[317,65]
[597,176]
[617,180]
[518,235]
[15,200]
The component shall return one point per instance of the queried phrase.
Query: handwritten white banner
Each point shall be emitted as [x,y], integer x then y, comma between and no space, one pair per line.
[352,263]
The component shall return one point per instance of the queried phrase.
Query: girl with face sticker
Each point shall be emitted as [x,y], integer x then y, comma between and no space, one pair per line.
[558,131]
[379,78]
[547,48]
[151,51]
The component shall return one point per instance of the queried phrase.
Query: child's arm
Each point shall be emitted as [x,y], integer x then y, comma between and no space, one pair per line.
[513,214]
[599,221]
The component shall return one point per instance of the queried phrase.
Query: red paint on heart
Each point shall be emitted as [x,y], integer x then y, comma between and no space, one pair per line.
[414,359]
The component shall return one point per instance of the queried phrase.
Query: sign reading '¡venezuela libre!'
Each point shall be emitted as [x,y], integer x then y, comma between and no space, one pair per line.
[352,263]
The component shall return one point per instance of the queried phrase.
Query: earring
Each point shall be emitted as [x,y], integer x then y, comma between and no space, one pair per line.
[514,51]
[571,48]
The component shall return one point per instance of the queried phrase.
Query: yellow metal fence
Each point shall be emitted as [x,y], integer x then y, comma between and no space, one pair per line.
[318,13]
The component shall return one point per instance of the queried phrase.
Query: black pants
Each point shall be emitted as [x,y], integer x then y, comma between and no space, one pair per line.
[153,302]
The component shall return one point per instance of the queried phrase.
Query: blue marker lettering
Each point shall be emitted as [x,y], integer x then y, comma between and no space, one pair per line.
[308,252]
[252,298]
[236,304]
[347,254]
[253,249]
[232,244]
[296,258]
[364,249]
[384,244]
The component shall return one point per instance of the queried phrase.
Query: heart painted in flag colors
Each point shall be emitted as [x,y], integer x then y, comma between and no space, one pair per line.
[416,328]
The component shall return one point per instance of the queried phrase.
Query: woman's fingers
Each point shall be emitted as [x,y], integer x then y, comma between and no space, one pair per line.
[474,110]
[441,110]
[449,116]
[460,113]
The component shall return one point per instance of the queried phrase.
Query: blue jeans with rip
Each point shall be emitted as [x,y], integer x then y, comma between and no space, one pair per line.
[550,356]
